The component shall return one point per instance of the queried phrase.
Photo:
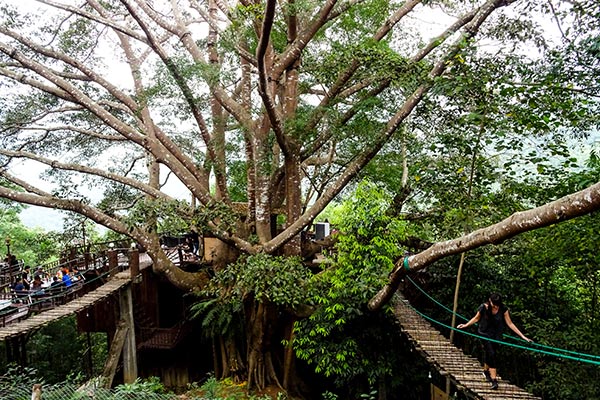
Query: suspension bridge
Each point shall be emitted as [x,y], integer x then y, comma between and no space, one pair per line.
[464,371]
[116,272]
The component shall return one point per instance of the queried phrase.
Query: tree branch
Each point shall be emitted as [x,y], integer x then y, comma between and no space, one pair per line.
[362,160]
[68,205]
[292,52]
[89,170]
[92,17]
[563,209]
[264,79]
[186,91]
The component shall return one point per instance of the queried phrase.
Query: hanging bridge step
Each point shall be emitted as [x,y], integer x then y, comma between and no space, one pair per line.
[464,371]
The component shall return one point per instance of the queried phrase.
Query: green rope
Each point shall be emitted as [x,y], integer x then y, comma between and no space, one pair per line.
[518,346]
[555,350]
[434,300]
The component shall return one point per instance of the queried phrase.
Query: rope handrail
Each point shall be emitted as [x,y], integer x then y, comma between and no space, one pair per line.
[500,341]
[585,357]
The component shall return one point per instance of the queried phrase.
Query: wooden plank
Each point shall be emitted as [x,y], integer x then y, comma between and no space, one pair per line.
[44,318]
[464,371]
[112,360]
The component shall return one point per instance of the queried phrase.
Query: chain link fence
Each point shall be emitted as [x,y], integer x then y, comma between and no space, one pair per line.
[73,392]
[27,390]
[23,383]
[23,388]
[69,392]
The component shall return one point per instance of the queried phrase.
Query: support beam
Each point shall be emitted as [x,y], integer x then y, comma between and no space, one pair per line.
[114,353]
[130,371]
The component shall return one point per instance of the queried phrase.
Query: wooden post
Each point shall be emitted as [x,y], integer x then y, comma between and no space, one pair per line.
[36,392]
[113,262]
[114,353]
[134,263]
[72,258]
[180,254]
[87,258]
[129,348]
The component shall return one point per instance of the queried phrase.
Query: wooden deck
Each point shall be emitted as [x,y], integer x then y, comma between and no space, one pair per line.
[28,323]
[37,321]
[464,371]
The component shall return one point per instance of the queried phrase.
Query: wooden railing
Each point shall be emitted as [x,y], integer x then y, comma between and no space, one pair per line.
[163,338]
[105,266]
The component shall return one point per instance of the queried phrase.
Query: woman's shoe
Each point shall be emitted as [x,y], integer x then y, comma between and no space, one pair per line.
[487,375]
[495,384]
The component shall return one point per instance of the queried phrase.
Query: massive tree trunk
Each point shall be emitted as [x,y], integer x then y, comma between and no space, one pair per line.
[261,321]
[211,84]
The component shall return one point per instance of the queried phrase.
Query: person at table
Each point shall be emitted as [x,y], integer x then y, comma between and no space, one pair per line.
[56,286]
[56,282]
[36,285]
[12,260]
[18,286]
[27,273]
[25,279]
[40,271]
[19,289]
[66,278]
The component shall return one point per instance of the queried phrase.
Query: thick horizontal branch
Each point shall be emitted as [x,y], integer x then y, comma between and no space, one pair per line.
[75,130]
[68,205]
[149,190]
[563,209]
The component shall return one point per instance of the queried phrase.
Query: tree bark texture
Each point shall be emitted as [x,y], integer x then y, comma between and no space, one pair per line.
[565,208]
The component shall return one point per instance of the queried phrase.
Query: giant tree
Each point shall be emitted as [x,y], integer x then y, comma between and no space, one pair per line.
[279,105]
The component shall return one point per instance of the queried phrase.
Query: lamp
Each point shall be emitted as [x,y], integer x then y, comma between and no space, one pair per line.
[7,241]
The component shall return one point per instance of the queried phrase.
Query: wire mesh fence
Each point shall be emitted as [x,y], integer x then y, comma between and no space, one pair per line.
[90,391]
[21,384]
[22,387]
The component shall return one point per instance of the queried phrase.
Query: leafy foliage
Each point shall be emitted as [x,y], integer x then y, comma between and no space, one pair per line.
[341,339]
[33,246]
[283,281]
[177,216]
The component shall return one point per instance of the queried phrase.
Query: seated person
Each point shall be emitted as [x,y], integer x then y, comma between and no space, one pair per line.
[40,271]
[66,278]
[18,286]
[19,289]
[56,284]
[36,285]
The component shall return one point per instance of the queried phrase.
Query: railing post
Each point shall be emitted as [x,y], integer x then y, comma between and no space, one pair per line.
[113,262]
[134,262]
[86,259]
[180,254]
[72,258]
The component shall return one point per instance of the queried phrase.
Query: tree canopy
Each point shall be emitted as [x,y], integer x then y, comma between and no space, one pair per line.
[266,112]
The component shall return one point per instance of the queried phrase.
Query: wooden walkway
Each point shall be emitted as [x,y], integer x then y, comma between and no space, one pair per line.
[80,303]
[464,371]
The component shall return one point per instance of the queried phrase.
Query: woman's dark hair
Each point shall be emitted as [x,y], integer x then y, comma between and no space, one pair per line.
[494,299]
